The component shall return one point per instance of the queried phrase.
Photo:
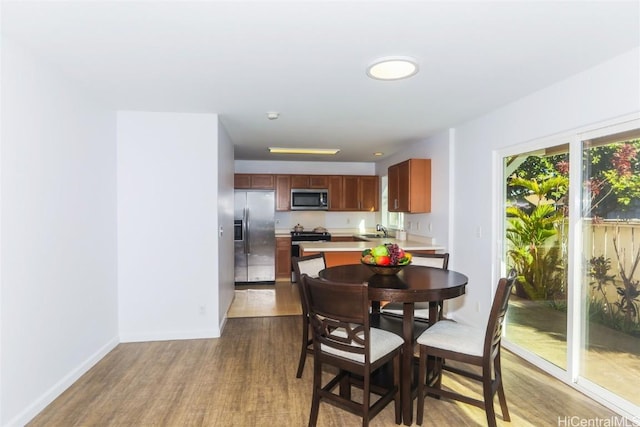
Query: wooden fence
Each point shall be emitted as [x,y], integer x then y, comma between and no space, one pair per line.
[599,240]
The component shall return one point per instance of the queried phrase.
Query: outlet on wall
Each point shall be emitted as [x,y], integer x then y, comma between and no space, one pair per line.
[202,310]
[408,225]
[417,225]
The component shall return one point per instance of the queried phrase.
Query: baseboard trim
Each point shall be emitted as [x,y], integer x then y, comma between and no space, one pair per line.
[170,335]
[50,395]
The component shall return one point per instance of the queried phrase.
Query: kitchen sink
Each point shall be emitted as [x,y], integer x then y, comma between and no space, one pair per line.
[372,236]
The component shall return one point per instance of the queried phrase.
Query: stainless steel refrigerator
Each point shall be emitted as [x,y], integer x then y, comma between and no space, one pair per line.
[254,236]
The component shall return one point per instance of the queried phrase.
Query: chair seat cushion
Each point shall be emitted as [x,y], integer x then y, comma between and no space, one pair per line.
[453,336]
[420,311]
[382,343]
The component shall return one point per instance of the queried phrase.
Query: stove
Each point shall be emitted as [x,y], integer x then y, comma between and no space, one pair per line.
[305,236]
[310,236]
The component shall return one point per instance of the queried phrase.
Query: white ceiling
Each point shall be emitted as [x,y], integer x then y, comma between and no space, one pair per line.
[307,60]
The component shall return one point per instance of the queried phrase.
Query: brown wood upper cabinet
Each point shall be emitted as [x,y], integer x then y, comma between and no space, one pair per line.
[254,181]
[360,193]
[283,192]
[410,186]
[346,192]
[336,202]
[309,181]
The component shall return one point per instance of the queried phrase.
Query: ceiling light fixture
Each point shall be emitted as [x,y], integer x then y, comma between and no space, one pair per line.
[280,150]
[393,68]
[378,153]
[272,115]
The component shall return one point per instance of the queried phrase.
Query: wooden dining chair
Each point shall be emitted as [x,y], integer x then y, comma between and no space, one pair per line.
[311,266]
[468,345]
[421,310]
[343,338]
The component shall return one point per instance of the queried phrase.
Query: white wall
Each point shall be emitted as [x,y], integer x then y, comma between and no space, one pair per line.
[168,225]
[313,168]
[225,258]
[58,234]
[609,90]
[436,223]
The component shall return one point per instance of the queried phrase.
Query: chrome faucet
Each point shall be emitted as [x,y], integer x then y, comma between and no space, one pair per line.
[380,227]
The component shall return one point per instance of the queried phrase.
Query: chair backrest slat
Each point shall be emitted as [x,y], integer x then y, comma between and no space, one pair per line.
[338,314]
[431,260]
[311,266]
[498,312]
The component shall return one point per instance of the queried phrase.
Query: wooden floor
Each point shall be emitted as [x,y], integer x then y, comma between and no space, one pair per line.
[282,299]
[247,378]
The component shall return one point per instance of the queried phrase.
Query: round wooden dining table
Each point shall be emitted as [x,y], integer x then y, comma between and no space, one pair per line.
[413,284]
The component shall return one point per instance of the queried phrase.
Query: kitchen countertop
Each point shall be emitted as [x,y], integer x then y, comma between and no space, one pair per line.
[408,245]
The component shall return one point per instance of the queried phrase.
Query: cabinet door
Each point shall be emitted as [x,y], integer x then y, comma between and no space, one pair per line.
[318,181]
[242,180]
[299,181]
[350,200]
[283,258]
[368,190]
[392,190]
[404,187]
[254,181]
[420,189]
[410,186]
[343,239]
[283,192]
[335,193]
[263,182]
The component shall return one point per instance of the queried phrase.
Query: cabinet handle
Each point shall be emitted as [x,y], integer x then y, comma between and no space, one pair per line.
[395,203]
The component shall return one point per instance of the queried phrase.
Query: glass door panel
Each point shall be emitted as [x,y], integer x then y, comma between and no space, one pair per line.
[536,236]
[610,210]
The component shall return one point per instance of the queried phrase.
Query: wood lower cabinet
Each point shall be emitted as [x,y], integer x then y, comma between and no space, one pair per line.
[410,186]
[334,258]
[343,239]
[283,258]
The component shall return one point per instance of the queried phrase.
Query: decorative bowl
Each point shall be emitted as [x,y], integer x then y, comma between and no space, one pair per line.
[385,270]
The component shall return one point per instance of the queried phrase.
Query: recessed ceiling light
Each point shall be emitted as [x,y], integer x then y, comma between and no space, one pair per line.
[393,68]
[272,115]
[281,150]
[378,153]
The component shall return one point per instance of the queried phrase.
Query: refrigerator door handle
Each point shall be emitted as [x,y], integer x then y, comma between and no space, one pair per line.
[247,246]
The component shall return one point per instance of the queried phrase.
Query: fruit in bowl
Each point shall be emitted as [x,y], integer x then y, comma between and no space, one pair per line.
[388,258]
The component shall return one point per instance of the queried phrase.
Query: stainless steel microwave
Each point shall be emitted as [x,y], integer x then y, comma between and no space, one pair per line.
[309,200]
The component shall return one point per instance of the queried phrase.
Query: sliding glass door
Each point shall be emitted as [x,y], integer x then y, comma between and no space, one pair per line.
[610,216]
[571,215]
[536,246]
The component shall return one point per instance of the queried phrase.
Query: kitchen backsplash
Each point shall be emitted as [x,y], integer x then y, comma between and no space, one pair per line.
[331,220]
